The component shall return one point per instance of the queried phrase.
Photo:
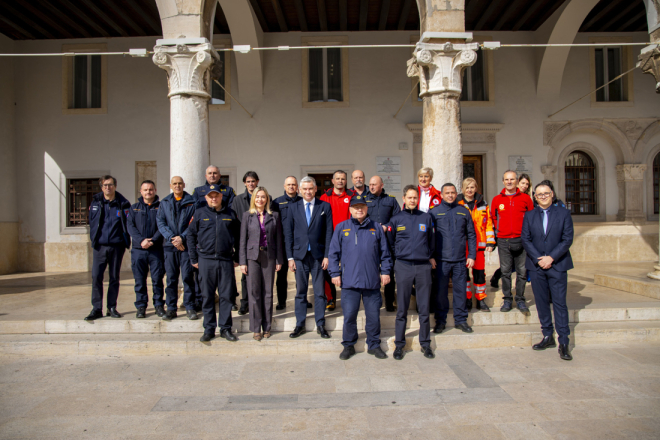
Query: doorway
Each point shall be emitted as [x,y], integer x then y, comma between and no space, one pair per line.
[473,167]
[323,183]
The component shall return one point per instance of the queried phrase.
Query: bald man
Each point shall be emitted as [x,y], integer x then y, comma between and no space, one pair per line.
[358,183]
[174,215]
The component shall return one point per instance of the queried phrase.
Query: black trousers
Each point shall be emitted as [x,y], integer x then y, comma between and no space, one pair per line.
[304,268]
[512,257]
[177,263]
[102,257]
[551,285]
[282,284]
[407,274]
[216,275]
[144,261]
[389,290]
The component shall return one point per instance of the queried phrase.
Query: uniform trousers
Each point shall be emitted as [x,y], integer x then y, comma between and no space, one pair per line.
[282,284]
[389,292]
[144,261]
[178,263]
[512,257]
[260,279]
[407,274]
[305,267]
[457,271]
[550,285]
[111,257]
[197,297]
[478,277]
[216,275]
[350,304]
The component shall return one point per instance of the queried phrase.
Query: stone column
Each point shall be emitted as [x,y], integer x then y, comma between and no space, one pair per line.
[188,68]
[630,178]
[440,70]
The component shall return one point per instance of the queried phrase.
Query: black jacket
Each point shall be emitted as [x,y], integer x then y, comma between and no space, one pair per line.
[554,242]
[382,208]
[453,229]
[96,214]
[227,192]
[172,223]
[213,235]
[282,205]
[142,224]
[413,235]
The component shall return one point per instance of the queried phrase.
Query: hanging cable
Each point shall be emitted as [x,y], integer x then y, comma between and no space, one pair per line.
[404,101]
[223,88]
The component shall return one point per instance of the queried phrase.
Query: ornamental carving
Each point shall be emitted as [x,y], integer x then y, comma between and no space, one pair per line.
[549,171]
[188,68]
[628,172]
[649,62]
[631,128]
[549,131]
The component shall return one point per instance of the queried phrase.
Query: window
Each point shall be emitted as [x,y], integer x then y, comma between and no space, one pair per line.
[79,198]
[474,80]
[656,184]
[580,176]
[608,62]
[325,73]
[220,99]
[84,79]
[608,67]
[217,92]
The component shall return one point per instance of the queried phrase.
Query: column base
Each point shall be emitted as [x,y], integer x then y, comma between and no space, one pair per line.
[655,275]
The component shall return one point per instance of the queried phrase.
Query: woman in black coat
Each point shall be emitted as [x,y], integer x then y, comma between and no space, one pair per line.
[261,254]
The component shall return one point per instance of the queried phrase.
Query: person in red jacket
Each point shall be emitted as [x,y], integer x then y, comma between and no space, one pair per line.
[339,198]
[507,211]
[429,197]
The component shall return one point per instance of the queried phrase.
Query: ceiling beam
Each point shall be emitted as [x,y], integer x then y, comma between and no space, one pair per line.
[280,15]
[151,20]
[632,20]
[107,19]
[260,15]
[16,27]
[28,21]
[302,18]
[323,15]
[531,10]
[85,17]
[405,12]
[39,13]
[514,6]
[601,14]
[384,13]
[494,5]
[364,9]
[620,14]
[343,15]
[65,18]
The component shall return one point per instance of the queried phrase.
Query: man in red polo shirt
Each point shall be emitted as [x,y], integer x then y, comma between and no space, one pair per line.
[340,199]
[508,210]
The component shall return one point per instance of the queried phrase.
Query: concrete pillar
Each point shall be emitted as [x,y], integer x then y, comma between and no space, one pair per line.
[188,63]
[630,178]
[439,60]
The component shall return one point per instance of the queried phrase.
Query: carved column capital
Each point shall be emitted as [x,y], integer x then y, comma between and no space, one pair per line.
[188,68]
[549,171]
[440,67]
[629,172]
[649,62]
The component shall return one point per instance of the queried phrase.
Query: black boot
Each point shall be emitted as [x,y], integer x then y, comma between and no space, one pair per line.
[468,304]
[481,305]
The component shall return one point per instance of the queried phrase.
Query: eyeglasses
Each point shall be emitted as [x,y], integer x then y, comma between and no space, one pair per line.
[543,195]
[108,185]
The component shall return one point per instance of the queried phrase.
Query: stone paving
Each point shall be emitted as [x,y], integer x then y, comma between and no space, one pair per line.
[607,392]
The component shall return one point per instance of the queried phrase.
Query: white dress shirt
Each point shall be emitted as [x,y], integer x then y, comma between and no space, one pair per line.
[424,199]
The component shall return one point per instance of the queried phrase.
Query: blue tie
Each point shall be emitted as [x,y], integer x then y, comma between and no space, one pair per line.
[545,222]
[308,214]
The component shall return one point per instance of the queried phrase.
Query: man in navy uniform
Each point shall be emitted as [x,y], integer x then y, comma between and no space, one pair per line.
[174,215]
[147,253]
[547,235]
[213,238]
[413,241]
[110,239]
[307,235]
[359,188]
[453,229]
[381,207]
[359,262]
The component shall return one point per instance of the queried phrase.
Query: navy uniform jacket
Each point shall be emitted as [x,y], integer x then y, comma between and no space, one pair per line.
[171,222]
[453,228]
[227,192]
[554,243]
[213,235]
[119,210]
[413,235]
[382,208]
[297,236]
[142,224]
[282,205]
[362,251]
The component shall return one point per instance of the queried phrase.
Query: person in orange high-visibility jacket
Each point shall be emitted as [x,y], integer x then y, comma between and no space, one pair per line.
[483,226]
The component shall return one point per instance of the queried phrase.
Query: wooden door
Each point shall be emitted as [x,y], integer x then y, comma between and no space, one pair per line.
[473,167]
[323,183]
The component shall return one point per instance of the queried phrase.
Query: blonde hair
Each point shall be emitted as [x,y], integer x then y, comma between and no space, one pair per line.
[467,181]
[426,170]
[253,208]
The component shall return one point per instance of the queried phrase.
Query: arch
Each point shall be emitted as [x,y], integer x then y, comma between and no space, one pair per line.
[647,141]
[187,18]
[599,164]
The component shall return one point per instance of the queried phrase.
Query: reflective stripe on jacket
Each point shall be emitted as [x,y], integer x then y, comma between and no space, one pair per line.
[483,223]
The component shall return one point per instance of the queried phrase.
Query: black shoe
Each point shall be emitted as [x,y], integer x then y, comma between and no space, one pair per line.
[331,305]
[94,314]
[522,307]
[564,353]
[439,328]
[506,306]
[494,283]
[280,307]
[468,303]
[546,342]
[309,305]
[206,337]
[170,315]
[398,353]
[464,327]
[141,312]
[243,311]
[234,308]
[481,305]
[113,313]
[390,309]
[298,331]
[228,335]
[320,330]
[160,311]
[428,352]
[347,353]
[192,315]
[198,308]
[378,352]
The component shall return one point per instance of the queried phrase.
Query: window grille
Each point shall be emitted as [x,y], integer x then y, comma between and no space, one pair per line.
[79,197]
[580,176]
[656,184]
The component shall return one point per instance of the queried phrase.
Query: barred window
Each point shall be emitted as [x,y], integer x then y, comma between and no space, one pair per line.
[656,184]
[580,175]
[79,198]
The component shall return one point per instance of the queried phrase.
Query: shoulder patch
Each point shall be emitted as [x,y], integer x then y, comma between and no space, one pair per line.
[401,228]
[391,195]
[283,203]
[460,213]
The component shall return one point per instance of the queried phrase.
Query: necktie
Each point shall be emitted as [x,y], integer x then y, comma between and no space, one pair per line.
[545,222]
[308,214]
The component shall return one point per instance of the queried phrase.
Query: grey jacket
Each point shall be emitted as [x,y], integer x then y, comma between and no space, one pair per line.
[250,233]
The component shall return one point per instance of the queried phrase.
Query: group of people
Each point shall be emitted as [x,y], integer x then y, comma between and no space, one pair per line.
[358,239]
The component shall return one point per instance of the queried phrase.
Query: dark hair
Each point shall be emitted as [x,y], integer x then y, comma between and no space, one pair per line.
[252,174]
[341,172]
[447,185]
[148,182]
[107,177]
[545,183]
[528,179]
[410,187]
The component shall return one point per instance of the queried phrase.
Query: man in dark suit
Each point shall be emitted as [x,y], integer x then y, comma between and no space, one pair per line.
[547,234]
[307,236]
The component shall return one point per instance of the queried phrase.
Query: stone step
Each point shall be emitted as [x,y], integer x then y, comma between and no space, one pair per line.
[334,321]
[637,285]
[280,343]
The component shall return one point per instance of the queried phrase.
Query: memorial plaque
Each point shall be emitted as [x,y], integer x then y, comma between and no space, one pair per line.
[392,184]
[521,164]
[388,165]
